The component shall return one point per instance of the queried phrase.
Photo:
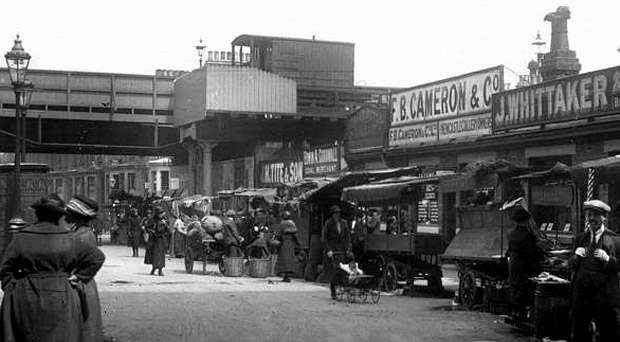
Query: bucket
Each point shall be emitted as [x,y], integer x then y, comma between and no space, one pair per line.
[551,311]
[259,268]
[233,266]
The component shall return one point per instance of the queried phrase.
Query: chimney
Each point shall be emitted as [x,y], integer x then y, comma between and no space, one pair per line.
[560,61]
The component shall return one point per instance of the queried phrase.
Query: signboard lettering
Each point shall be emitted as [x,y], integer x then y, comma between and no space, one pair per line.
[367,128]
[454,108]
[571,98]
[281,172]
[321,161]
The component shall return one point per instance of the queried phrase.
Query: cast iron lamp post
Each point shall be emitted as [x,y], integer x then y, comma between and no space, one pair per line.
[17,61]
[200,48]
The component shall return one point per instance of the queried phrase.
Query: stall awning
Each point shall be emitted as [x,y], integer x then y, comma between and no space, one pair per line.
[559,170]
[333,190]
[384,192]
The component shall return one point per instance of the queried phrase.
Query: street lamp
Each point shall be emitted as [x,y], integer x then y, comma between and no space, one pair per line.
[17,61]
[200,48]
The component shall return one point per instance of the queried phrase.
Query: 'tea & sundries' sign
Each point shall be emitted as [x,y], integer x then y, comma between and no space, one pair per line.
[571,98]
[439,111]
[322,161]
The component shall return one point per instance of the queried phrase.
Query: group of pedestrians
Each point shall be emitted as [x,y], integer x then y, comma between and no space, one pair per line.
[48,272]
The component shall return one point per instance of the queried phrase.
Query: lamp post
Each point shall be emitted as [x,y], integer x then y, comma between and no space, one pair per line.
[17,61]
[200,49]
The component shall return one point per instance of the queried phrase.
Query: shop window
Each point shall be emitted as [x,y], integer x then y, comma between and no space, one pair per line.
[165,180]
[131,182]
[91,187]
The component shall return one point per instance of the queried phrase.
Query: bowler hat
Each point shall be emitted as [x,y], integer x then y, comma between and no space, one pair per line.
[597,205]
[334,209]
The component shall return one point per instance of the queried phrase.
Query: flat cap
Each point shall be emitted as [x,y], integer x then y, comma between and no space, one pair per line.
[597,205]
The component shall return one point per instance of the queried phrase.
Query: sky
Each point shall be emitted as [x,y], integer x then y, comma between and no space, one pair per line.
[397,43]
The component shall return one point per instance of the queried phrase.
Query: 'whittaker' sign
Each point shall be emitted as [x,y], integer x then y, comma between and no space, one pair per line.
[592,94]
[322,161]
[445,110]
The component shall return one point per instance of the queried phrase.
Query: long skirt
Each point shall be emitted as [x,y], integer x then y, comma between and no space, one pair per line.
[286,257]
[93,327]
[177,244]
[42,308]
[156,252]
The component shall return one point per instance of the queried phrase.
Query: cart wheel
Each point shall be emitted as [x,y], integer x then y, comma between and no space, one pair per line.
[390,278]
[220,265]
[351,295]
[375,295]
[363,295]
[189,261]
[468,289]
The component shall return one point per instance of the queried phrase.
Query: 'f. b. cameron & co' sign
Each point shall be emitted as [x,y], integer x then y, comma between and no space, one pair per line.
[592,94]
[445,110]
[322,161]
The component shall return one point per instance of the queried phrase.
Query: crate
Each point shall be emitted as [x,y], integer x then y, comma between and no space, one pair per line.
[259,268]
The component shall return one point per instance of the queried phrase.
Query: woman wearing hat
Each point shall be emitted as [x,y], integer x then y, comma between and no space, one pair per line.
[43,268]
[595,291]
[287,235]
[156,250]
[524,257]
[336,242]
[80,212]
[232,239]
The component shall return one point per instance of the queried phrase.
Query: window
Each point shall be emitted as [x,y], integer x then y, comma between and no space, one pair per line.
[70,187]
[165,180]
[229,56]
[79,186]
[131,182]
[91,187]
[59,190]
[154,181]
[210,56]
[223,55]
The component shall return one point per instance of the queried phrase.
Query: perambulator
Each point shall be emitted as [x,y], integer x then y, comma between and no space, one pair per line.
[355,285]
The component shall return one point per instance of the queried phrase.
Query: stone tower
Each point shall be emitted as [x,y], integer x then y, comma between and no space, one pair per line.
[560,61]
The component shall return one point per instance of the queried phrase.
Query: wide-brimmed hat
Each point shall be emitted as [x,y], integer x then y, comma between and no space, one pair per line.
[82,206]
[597,205]
[334,209]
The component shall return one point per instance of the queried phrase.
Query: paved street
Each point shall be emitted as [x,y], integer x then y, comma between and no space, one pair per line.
[193,307]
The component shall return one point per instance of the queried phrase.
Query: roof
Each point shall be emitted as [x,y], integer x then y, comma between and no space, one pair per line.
[246,39]
[385,191]
[334,189]
[603,162]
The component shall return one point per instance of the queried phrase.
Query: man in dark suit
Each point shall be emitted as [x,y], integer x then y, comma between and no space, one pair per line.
[336,241]
[595,289]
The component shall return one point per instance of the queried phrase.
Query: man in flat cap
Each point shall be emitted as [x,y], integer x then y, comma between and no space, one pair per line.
[595,291]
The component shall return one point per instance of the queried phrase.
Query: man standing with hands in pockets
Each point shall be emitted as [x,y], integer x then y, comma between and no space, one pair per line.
[595,286]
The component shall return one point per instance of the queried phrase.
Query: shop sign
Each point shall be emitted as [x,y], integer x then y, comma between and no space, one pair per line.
[462,95]
[322,161]
[455,108]
[281,172]
[592,94]
[367,128]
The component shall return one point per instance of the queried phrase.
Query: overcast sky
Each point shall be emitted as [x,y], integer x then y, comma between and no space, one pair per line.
[397,43]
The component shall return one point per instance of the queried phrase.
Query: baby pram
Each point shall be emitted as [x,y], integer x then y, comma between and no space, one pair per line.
[356,286]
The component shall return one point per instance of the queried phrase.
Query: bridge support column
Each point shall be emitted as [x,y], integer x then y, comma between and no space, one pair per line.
[207,166]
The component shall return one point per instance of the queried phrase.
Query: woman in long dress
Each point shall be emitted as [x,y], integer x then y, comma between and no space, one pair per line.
[41,274]
[156,249]
[81,210]
[287,235]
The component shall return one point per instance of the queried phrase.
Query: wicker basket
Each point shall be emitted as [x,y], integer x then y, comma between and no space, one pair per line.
[259,268]
[234,267]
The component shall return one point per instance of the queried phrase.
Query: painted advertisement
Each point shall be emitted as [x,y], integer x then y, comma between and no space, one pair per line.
[592,94]
[441,111]
[281,172]
[322,161]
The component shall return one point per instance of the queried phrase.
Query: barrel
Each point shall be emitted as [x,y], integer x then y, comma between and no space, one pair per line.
[551,310]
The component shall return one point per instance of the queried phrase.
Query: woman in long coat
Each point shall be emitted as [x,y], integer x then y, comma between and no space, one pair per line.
[287,235]
[156,249]
[80,211]
[41,274]
[336,241]
[134,231]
